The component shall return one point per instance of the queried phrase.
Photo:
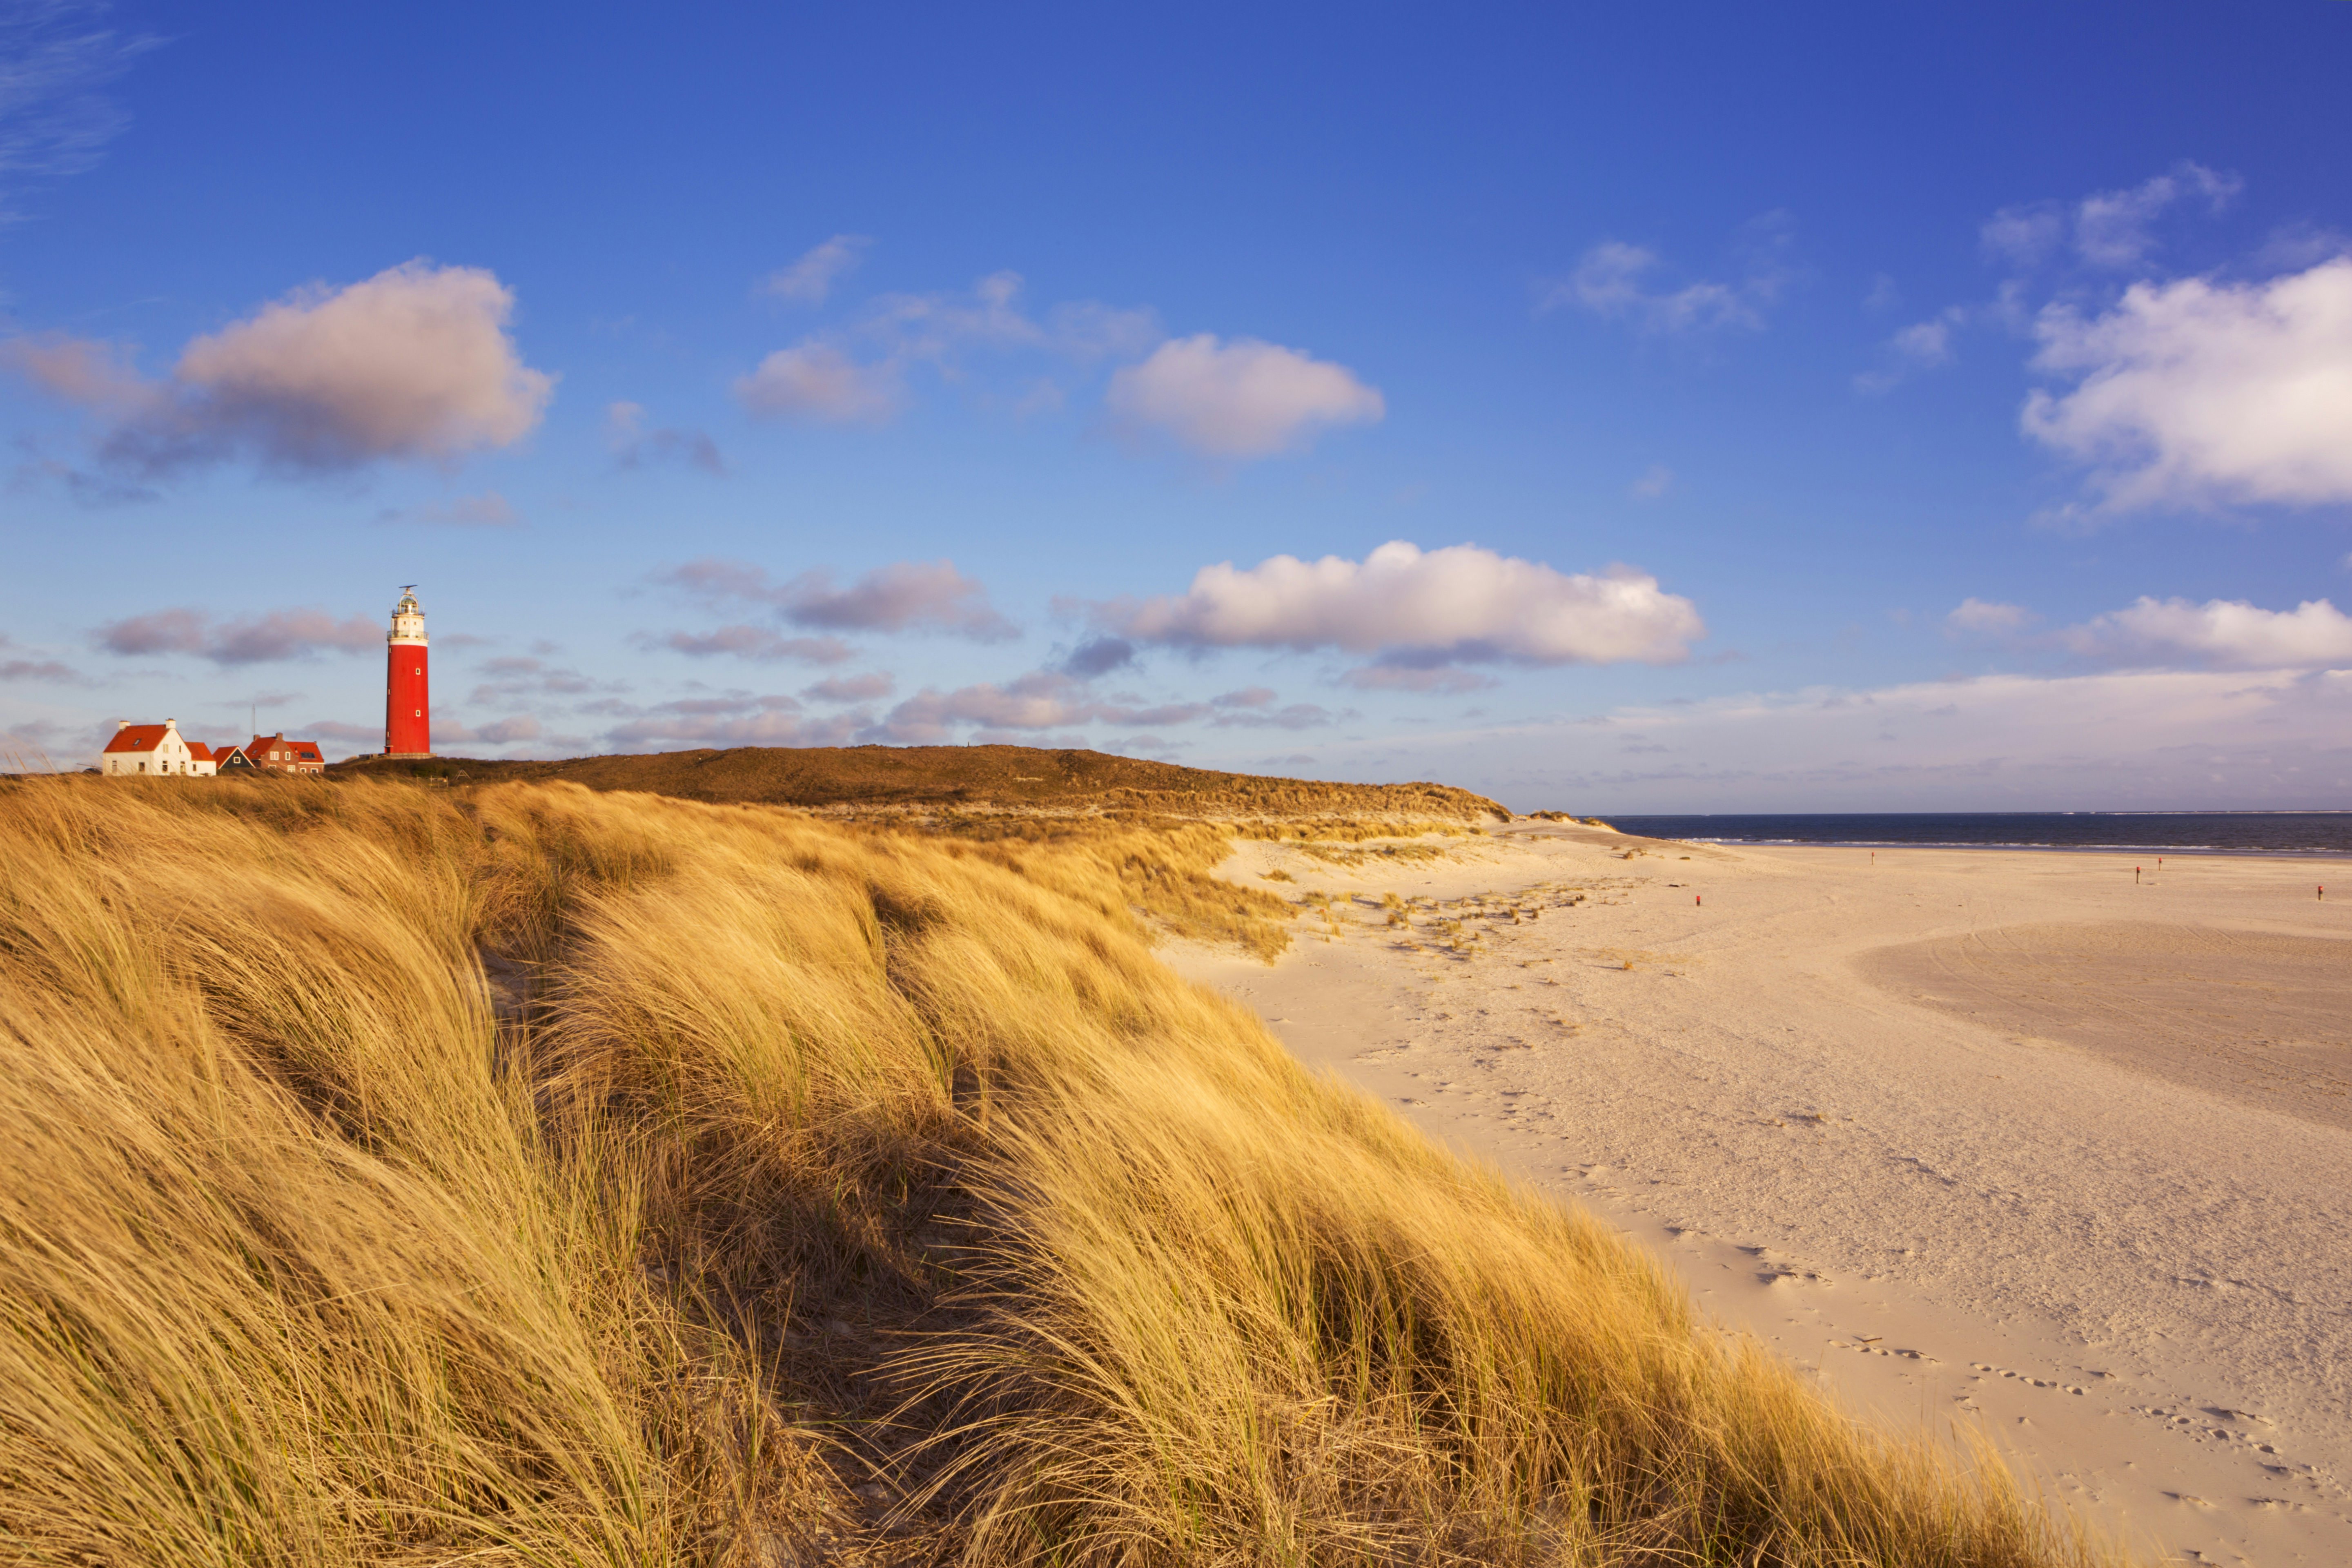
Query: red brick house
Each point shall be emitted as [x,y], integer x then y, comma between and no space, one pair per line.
[276,754]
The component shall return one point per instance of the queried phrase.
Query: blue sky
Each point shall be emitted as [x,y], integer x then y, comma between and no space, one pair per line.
[1867,408]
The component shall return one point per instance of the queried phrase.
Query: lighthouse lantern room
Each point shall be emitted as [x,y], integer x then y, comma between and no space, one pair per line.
[407,708]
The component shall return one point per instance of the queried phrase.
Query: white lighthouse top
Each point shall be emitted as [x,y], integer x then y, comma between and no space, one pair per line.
[407,619]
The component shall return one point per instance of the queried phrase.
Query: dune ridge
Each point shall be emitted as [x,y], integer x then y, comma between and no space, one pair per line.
[523,1174]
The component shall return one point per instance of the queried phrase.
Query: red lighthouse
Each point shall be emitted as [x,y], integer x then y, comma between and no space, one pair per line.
[407,708]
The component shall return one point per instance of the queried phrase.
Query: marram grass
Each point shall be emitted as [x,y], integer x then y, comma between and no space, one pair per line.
[532,1176]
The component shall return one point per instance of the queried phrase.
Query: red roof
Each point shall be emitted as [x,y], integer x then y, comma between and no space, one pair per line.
[137,738]
[257,751]
[200,752]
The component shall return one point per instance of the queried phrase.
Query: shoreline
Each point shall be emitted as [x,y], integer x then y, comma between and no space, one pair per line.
[2128,1276]
[2169,851]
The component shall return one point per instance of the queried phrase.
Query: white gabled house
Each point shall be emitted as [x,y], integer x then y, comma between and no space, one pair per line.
[155,749]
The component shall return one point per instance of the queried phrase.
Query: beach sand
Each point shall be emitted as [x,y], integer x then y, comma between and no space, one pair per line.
[2002,1142]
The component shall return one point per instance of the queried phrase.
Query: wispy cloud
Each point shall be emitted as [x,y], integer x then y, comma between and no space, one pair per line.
[733,719]
[904,596]
[263,638]
[856,373]
[816,381]
[1987,617]
[808,280]
[1043,699]
[56,58]
[29,665]
[636,445]
[487,510]
[1618,281]
[867,688]
[753,643]
[2108,229]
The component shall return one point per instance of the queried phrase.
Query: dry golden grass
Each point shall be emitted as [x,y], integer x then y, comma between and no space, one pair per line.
[536,1176]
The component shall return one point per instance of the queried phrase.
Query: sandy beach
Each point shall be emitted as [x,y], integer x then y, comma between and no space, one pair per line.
[2010,1142]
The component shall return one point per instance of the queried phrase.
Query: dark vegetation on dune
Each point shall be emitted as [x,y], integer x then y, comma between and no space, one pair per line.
[917,776]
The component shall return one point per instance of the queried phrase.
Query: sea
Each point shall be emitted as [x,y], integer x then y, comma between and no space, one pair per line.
[2319,833]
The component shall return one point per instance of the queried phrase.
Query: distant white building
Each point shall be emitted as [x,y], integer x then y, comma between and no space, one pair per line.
[155,749]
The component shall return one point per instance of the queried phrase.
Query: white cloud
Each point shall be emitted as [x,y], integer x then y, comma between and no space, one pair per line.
[2227,633]
[1982,615]
[1654,482]
[816,381]
[808,280]
[2110,229]
[2199,391]
[415,362]
[1421,609]
[1240,399]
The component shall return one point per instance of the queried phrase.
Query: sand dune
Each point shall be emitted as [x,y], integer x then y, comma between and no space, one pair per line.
[2000,1137]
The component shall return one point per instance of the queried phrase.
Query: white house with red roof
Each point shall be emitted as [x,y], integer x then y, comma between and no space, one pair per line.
[155,749]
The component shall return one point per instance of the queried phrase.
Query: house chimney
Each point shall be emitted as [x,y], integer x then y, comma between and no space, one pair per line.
[123,723]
